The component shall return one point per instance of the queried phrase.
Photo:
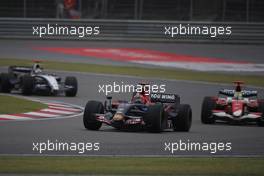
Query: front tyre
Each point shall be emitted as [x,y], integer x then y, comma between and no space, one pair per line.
[71,86]
[183,121]
[28,83]
[89,118]
[260,122]
[5,85]
[154,118]
[207,108]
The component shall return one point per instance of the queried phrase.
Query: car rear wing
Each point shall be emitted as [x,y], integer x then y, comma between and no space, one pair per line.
[245,93]
[227,92]
[249,93]
[20,69]
[164,98]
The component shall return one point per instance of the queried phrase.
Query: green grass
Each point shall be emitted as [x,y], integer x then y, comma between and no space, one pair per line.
[13,105]
[132,166]
[178,74]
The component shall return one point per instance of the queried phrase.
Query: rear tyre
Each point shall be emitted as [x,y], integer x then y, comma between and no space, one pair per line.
[183,121]
[154,118]
[73,84]
[28,83]
[207,108]
[89,118]
[5,85]
[261,109]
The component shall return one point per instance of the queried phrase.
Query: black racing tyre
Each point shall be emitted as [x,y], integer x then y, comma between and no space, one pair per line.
[89,120]
[207,108]
[260,122]
[5,85]
[72,82]
[154,118]
[10,69]
[28,83]
[183,121]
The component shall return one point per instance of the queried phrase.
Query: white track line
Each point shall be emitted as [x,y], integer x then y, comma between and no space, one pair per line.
[41,114]
[57,105]
[201,66]
[61,108]
[13,117]
[57,111]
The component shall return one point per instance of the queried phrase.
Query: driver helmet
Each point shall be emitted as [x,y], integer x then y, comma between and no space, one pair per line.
[138,98]
[238,95]
[36,68]
[238,92]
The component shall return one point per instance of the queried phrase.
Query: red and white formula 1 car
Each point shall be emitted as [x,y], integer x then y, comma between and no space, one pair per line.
[233,106]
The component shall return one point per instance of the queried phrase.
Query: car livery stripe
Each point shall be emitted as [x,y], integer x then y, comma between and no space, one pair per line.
[54,110]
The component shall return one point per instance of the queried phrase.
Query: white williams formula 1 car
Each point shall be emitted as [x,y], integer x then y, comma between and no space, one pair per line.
[32,80]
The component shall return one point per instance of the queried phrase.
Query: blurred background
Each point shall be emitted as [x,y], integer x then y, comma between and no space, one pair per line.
[180,10]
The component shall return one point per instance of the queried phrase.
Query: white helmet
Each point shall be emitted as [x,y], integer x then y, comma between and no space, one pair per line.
[36,68]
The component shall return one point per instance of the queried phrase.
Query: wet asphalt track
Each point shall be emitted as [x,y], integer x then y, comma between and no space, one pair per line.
[17,137]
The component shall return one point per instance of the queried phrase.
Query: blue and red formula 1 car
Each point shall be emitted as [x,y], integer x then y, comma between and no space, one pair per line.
[153,112]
